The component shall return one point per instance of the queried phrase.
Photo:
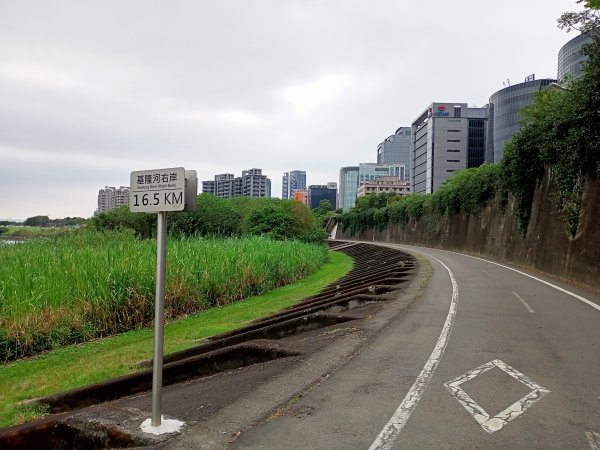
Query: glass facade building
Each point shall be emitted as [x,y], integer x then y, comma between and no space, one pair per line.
[348,187]
[396,150]
[318,193]
[571,57]
[292,181]
[352,177]
[476,142]
[504,114]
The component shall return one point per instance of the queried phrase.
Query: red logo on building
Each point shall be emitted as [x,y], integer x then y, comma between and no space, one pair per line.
[441,108]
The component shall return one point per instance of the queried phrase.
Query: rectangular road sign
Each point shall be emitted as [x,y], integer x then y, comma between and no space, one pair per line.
[157,190]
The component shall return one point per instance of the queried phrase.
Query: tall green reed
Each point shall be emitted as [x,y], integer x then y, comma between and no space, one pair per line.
[89,284]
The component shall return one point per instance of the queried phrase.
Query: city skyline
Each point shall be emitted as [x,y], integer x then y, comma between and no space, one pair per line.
[93,92]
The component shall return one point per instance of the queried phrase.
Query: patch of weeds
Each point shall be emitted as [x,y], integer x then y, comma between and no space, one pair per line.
[29,411]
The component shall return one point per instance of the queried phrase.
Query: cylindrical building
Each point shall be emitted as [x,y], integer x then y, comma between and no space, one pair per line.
[570,56]
[504,117]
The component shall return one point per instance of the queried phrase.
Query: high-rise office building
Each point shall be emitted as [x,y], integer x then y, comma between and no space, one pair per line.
[353,176]
[504,113]
[396,150]
[348,185]
[316,193]
[446,137]
[292,182]
[111,198]
[571,57]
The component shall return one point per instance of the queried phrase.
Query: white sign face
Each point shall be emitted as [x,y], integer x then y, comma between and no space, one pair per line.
[157,190]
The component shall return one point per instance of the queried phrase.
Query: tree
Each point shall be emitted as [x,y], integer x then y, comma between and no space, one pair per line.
[214,216]
[324,207]
[119,218]
[37,221]
[323,212]
[582,21]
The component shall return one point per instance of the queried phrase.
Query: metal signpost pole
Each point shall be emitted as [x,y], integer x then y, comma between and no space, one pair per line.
[159,316]
[161,190]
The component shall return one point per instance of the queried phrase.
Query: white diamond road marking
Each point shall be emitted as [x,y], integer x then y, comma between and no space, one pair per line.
[488,423]
[593,440]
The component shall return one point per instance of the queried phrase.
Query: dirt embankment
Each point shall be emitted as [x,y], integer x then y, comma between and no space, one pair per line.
[491,234]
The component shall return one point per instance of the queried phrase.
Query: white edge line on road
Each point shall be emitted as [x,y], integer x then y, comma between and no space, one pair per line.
[392,429]
[572,294]
[524,303]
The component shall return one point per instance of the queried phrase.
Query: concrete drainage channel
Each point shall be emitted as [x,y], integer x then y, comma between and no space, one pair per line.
[378,274]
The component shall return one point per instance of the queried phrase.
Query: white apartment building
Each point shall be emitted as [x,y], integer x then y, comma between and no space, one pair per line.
[111,198]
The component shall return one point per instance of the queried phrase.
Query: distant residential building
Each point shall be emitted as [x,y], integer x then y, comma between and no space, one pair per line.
[252,183]
[571,57]
[316,193]
[111,198]
[385,185]
[446,137]
[224,185]
[285,186]
[395,149]
[301,195]
[255,184]
[504,113]
[291,182]
[351,177]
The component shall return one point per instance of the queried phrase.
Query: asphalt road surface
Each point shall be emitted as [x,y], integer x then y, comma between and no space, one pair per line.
[487,358]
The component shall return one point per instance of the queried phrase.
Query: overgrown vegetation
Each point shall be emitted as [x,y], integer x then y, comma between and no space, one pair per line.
[90,284]
[45,221]
[231,217]
[560,133]
[468,191]
[32,232]
[79,365]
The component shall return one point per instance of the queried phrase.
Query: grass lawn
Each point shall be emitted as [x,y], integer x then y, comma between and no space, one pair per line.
[79,365]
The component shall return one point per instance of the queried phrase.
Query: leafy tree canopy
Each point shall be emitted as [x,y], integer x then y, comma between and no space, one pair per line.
[214,216]
[582,21]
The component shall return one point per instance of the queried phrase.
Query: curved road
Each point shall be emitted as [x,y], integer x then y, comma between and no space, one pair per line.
[487,358]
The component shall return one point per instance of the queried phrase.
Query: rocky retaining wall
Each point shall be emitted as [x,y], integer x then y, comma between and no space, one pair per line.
[494,235]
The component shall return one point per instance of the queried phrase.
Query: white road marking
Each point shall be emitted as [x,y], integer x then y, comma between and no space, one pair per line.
[572,294]
[392,429]
[524,303]
[488,423]
[593,440]
[485,272]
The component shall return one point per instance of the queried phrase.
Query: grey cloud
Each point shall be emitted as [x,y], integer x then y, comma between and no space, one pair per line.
[202,84]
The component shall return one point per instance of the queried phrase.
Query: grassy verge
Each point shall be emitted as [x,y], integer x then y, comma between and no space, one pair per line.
[82,364]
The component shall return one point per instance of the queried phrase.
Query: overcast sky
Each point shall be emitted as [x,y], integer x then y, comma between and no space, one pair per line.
[92,90]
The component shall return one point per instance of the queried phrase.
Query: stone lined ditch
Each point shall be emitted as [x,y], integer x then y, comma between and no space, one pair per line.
[377,276]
